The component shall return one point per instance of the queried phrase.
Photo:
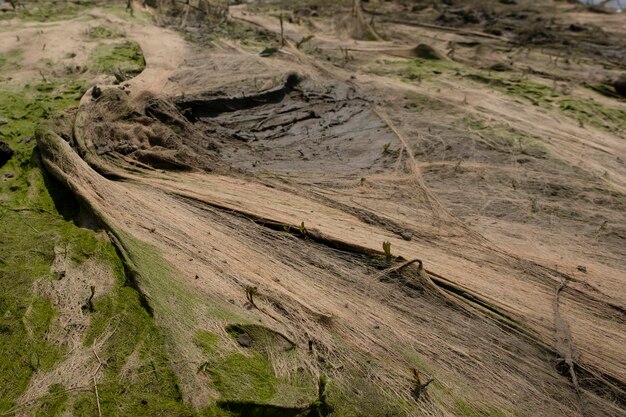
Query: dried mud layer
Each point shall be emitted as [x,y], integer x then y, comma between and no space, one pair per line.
[400,209]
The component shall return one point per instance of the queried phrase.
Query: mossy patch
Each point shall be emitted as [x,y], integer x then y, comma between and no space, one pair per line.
[243,377]
[586,111]
[507,139]
[104,32]
[537,93]
[605,90]
[138,379]
[207,341]
[47,11]
[10,60]
[590,112]
[126,57]
[414,70]
[248,35]
[34,213]
[235,375]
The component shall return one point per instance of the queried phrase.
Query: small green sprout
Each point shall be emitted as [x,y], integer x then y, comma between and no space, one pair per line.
[204,367]
[387,250]
[303,229]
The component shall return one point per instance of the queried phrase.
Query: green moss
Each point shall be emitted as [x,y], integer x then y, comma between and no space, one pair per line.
[206,341]
[25,318]
[47,11]
[52,404]
[138,15]
[586,111]
[246,34]
[590,112]
[537,93]
[506,139]
[104,32]
[10,60]
[237,376]
[244,378]
[414,70]
[148,385]
[126,57]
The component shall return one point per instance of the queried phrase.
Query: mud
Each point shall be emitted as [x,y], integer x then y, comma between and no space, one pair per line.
[296,128]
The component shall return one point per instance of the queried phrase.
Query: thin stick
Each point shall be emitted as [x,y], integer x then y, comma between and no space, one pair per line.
[401,266]
[95,385]
[282,31]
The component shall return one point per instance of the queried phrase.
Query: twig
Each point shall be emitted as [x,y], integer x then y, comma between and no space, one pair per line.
[29,225]
[95,385]
[401,266]
[282,31]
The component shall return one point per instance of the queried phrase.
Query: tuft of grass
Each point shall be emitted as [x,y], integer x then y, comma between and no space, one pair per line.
[126,57]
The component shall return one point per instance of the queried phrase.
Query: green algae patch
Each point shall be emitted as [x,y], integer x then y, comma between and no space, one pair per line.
[207,341]
[126,57]
[537,93]
[248,378]
[36,215]
[47,11]
[235,375]
[505,139]
[104,32]
[243,377]
[249,35]
[138,379]
[10,60]
[590,112]
[414,70]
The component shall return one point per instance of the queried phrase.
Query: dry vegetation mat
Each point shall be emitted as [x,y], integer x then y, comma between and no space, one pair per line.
[298,212]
